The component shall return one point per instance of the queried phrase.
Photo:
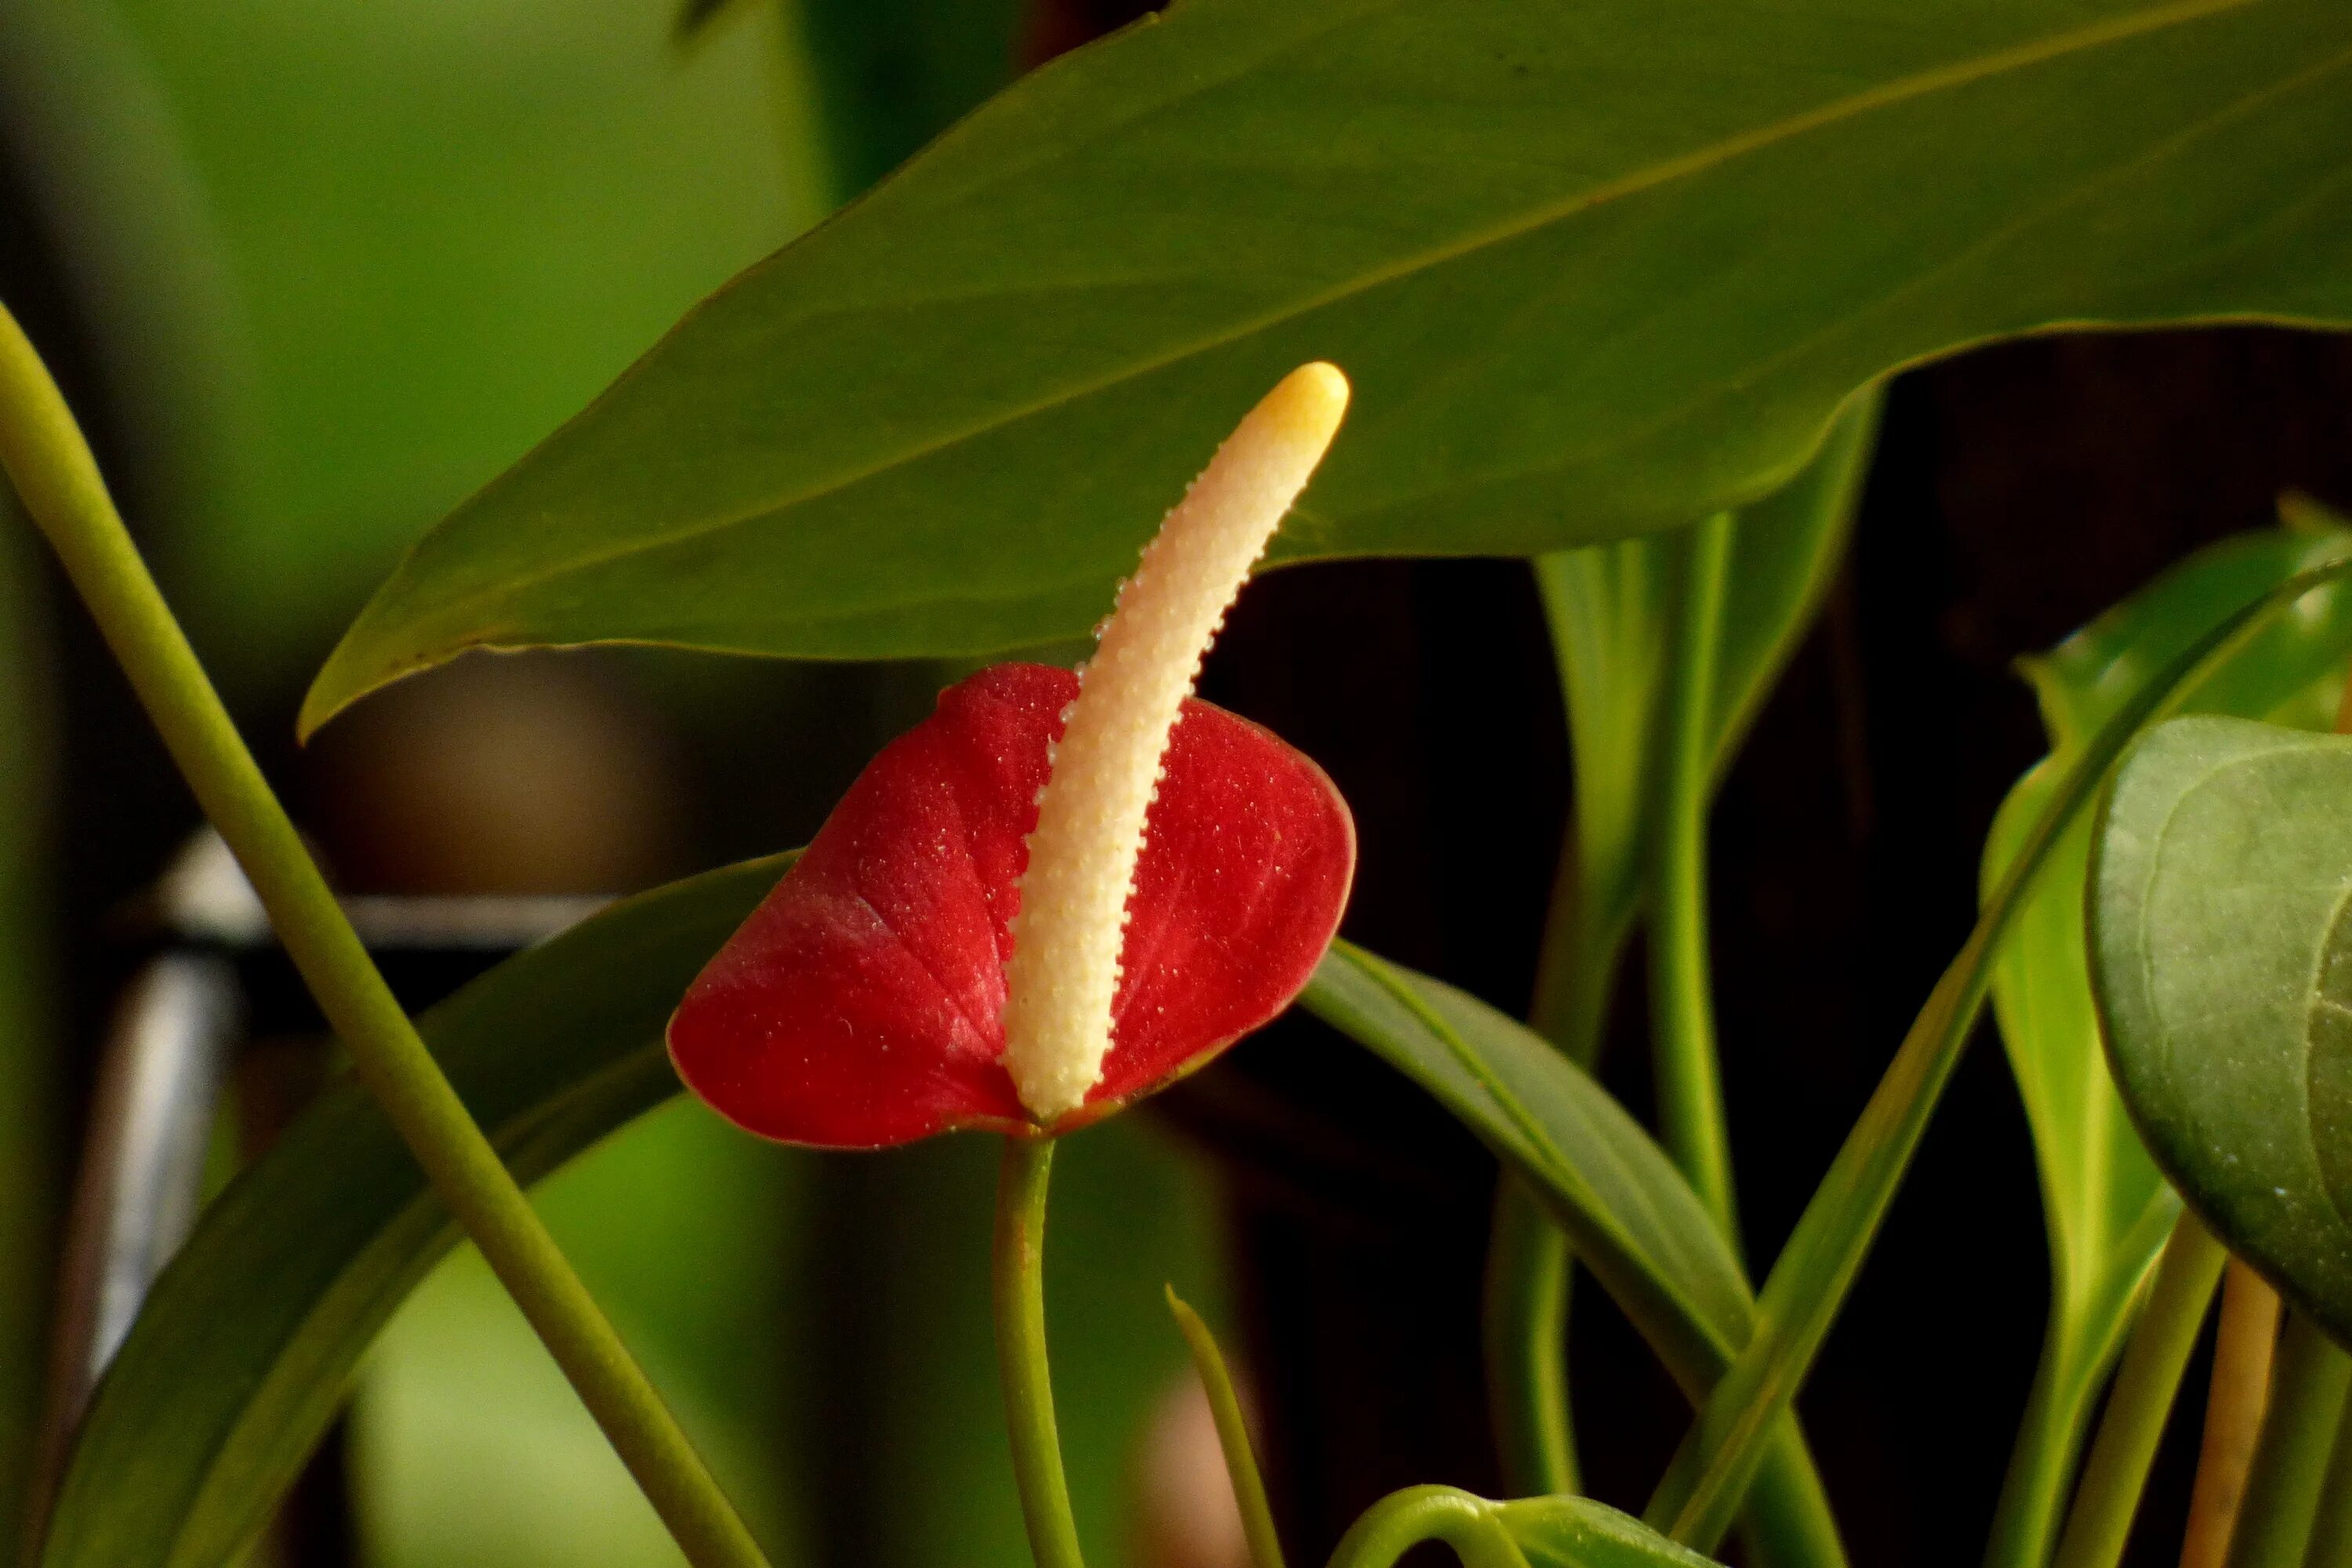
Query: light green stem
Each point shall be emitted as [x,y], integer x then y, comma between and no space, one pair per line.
[2331,1527]
[1529,1266]
[2042,1462]
[1233,1435]
[1809,1280]
[1019,1277]
[1682,1007]
[46,456]
[1577,962]
[1528,1273]
[2309,1379]
[1402,1521]
[2145,1385]
[2086,1333]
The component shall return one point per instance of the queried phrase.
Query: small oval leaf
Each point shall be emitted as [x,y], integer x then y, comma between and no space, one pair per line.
[2222,957]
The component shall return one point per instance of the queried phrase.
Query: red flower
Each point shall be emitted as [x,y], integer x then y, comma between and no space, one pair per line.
[862,1004]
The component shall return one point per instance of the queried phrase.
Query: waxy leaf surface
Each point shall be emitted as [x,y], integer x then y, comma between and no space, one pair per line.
[1595,269]
[2222,958]
[863,1003]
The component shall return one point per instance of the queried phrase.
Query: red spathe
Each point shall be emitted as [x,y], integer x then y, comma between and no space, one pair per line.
[863,1003]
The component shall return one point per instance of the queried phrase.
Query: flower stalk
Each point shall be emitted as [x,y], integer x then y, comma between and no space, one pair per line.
[53,469]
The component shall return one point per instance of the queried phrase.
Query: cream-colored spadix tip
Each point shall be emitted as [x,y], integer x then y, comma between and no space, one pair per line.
[1064,973]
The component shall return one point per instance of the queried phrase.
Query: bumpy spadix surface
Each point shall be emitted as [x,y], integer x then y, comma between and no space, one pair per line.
[862,1004]
[1065,970]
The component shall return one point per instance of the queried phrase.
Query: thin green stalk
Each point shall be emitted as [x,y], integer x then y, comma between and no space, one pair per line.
[2309,1379]
[1233,1435]
[2042,1462]
[2141,1400]
[1703,1487]
[1682,1007]
[1529,1266]
[2331,1527]
[1576,965]
[1525,1323]
[1402,1521]
[50,464]
[1019,1278]
[2086,1335]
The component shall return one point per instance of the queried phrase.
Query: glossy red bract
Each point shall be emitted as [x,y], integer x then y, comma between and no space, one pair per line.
[862,1003]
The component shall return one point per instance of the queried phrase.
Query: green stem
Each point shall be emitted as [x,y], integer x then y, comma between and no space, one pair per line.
[1809,1280]
[2309,1379]
[1402,1521]
[1233,1435]
[46,456]
[1528,1273]
[1019,1277]
[2042,1463]
[1682,1008]
[2331,1526]
[1576,965]
[2087,1332]
[2145,1385]
[1529,1266]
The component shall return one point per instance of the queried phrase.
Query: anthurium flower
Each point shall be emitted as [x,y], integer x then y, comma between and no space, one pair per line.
[1058,892]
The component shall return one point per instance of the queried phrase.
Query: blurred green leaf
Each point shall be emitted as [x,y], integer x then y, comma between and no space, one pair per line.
[694,16]
[2223,965]
[888,74]
[468,1447]
[245,1349]
[1628,1213]
[2107,1210]
[1609,608]
[30,1178]
[415,236]
[1595,271]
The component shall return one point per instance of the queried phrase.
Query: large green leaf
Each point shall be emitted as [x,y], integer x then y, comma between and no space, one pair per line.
[1595,269]
[243,1350]
[1628,1213]
[2223,959]
[2107,1210]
